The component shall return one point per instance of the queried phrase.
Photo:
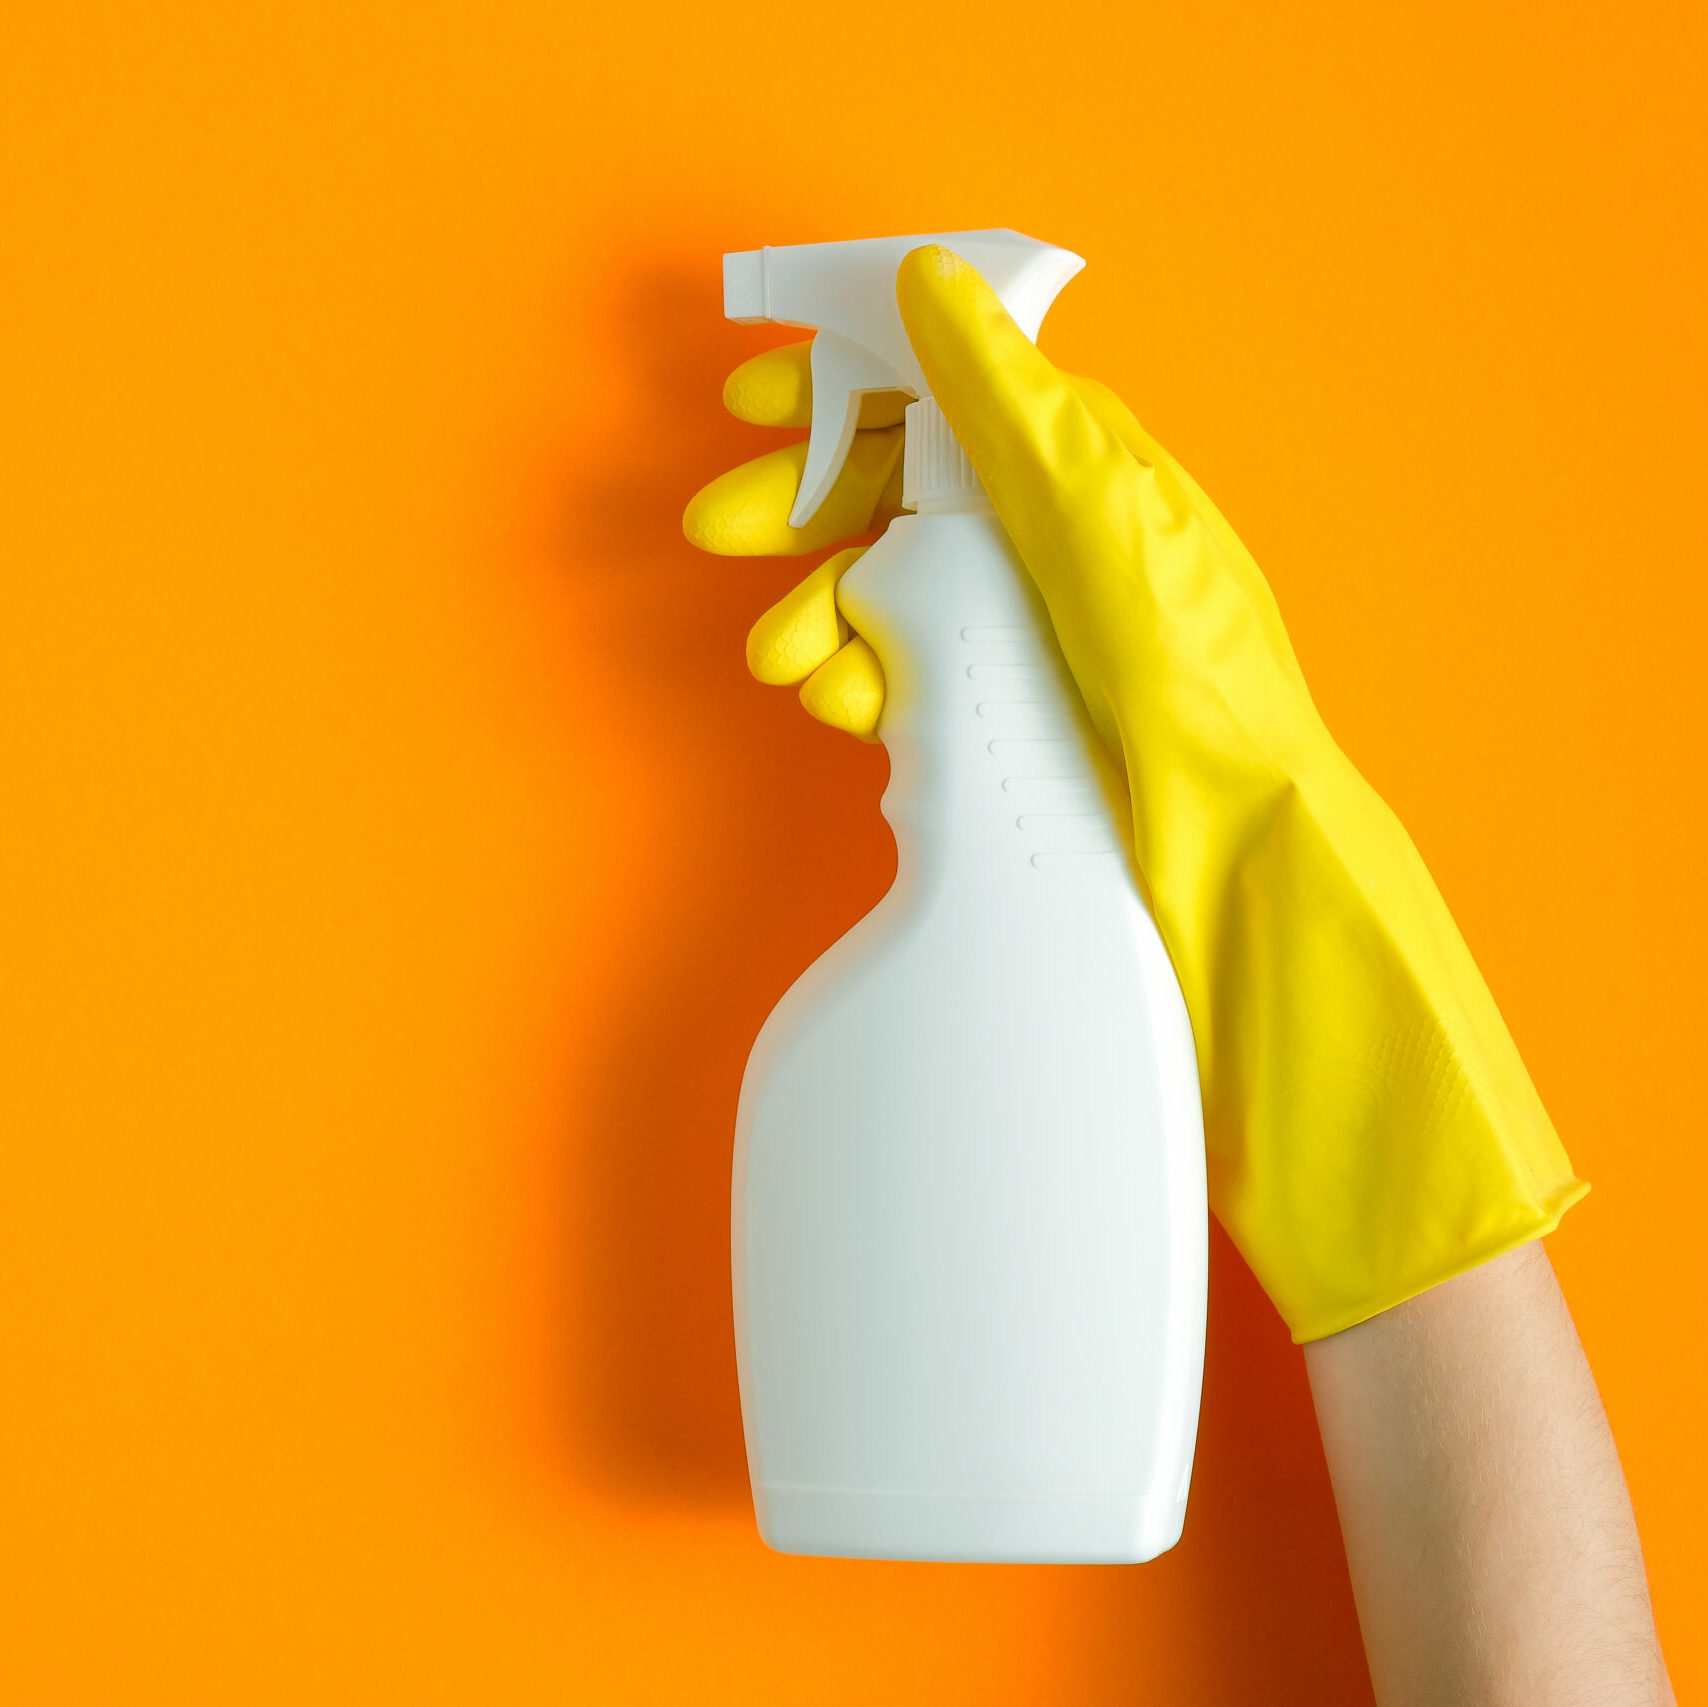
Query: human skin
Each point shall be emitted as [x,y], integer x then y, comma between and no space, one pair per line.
[1493,1551]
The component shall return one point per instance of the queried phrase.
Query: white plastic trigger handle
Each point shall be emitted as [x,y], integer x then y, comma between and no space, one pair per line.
[843,373]
[845,292]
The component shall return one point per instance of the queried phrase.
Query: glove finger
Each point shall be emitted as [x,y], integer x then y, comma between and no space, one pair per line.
[774,389]
[847,690]
[1027,427]
[745,512]
[803,629]
[1016,415]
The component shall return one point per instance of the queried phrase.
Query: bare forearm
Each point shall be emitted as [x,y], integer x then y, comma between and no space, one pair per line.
[1493,1552]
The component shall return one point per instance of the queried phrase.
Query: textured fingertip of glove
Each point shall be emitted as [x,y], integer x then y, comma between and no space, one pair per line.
[745,512]
[847,691]
[803,629]
[951,314]
[934,264]
[773,388]
[712,520]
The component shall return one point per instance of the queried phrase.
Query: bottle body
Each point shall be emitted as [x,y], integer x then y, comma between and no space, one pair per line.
[969,1220]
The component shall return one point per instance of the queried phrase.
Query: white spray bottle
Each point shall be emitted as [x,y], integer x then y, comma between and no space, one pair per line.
[969,1216]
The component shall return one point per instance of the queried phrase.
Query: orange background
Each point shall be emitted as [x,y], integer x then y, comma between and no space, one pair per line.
[398,861]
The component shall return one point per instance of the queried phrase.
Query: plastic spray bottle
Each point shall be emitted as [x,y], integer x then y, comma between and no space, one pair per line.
[969,1218]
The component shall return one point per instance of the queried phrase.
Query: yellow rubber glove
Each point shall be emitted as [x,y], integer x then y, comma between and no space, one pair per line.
[1370,1128]
[744,513]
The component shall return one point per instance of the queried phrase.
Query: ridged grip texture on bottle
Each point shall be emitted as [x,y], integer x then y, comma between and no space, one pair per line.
[933,463]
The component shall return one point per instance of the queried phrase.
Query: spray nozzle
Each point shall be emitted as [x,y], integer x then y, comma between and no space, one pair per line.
[846,293]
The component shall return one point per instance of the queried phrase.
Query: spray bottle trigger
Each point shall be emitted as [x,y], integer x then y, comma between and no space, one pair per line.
[843,372]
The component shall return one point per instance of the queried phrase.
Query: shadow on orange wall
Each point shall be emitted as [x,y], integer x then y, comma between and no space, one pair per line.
[766,847]
[772,847]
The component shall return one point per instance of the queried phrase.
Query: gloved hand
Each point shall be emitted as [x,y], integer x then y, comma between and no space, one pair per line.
[1370,1128]
[744,513]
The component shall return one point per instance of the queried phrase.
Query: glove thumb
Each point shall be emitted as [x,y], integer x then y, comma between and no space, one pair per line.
[1020,420]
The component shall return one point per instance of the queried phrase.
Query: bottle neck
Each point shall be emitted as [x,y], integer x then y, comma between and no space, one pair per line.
[936,476]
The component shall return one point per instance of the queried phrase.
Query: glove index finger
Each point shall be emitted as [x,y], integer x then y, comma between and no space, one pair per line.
[773,388]
[1019,419]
